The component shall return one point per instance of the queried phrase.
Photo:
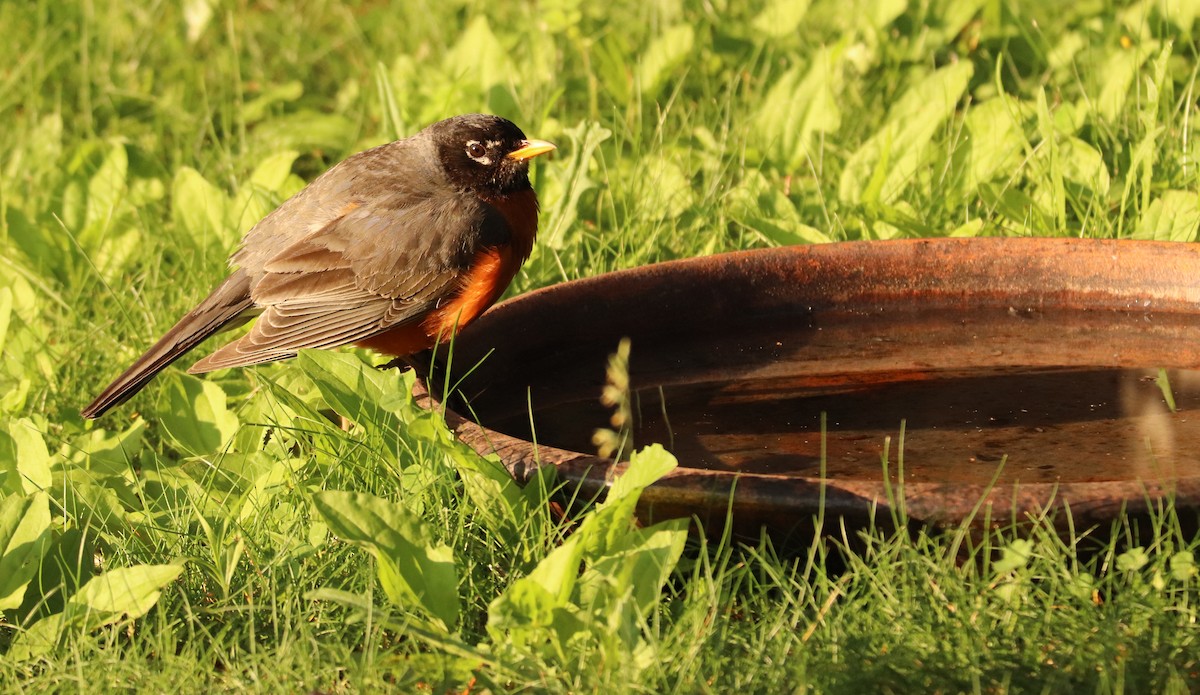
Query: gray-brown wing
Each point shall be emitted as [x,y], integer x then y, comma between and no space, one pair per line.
[370,270]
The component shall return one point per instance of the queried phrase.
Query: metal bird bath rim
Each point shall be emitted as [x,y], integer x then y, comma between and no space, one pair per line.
[1030,375]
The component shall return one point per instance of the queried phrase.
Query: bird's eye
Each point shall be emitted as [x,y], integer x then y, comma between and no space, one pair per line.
[475,150]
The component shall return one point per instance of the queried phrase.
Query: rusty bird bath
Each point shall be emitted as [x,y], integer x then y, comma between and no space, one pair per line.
[1028,362]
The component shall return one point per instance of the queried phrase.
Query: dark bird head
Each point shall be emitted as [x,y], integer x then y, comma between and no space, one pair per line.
[487,155]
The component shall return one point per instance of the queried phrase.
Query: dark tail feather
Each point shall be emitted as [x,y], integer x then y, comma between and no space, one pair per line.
[230,299]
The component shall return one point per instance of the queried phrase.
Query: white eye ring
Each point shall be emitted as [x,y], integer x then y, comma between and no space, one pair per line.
[477,151]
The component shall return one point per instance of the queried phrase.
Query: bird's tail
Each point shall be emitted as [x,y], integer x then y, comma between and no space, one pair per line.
[227,302]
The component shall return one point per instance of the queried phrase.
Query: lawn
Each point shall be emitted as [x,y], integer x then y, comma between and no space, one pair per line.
[223,534]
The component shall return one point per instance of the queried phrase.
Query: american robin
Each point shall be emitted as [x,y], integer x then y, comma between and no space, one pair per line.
[393,249]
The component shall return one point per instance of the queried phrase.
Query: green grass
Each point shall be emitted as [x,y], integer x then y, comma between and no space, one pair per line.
[139,142]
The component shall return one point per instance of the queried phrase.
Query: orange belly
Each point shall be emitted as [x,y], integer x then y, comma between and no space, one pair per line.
[490,274]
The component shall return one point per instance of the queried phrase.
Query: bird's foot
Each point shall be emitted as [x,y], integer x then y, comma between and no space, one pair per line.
[400,363]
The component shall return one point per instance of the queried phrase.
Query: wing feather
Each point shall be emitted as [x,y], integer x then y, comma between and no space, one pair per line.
[372,269]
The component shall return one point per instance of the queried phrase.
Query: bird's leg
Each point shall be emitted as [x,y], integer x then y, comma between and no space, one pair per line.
[401,363]
[423,363]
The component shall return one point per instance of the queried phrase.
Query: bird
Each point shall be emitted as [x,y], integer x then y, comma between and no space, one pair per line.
[395,249]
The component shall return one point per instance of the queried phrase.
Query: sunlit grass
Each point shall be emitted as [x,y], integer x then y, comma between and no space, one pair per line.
[141,140]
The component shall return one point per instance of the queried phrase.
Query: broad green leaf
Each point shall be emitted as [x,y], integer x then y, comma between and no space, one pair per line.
[800,105]
[108,235]
[624,586]
[668,192]
[1174,216]
[41,150]
[268,185]
[289,410]
[73,211]
[1158,83]
[614,518]
[1082,165]
[196,16]
[125,592]
[425,577]
[195,416]
[934,96]
[267,485]
[968,229]
[13,400]
[540,602]
[1182,566]
[349,599]
[120,245]
[762,206]
[780,18]
[645,467]
[38,241]
[526,615]
[1015,205]
[612,53]
[100,505]
[236,473]
[258,108]
[523,606]
[1014,556]
[1181,13]
[10,478]
[413,570]
[65,566]
[107,452]
[1141,167]
[897,221]
[273,171]
[107,186]
[163,489]
[626,572]
[1061,56]
[38,639]
[144,191]
[995,141]
[199,208]
[24,538]
[6,304]
[888,161]
[1133,559]
[492,490]
[1081,586]
[24,458]
[303,130]
[558,571]
[1050,191]
[568,181]
[953,15]
[355,390]
[479,56]
[881,13]
[639,565]
[662,58]
[128,592]
[560,15]
[1116,77]
[604,528]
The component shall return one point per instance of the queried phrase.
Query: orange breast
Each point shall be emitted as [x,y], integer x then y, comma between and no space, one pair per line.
[490,274]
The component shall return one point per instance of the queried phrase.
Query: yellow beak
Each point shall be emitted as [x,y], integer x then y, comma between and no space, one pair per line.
[530,149]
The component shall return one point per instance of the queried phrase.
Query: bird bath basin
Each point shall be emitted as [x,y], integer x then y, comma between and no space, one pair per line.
[1024,371]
